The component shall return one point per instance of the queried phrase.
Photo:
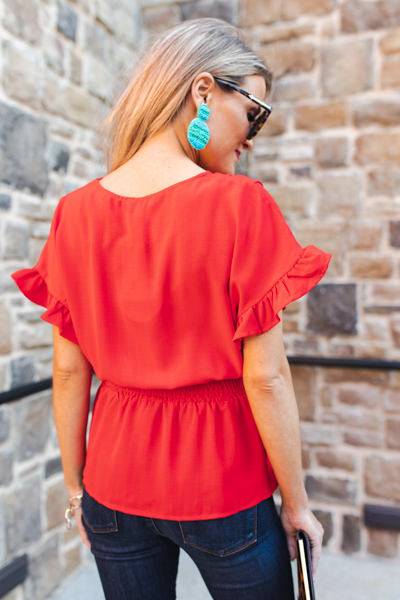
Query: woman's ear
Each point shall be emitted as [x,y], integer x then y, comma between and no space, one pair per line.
[202,87]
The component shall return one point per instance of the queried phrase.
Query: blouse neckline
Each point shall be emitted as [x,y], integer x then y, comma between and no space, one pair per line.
[169,187]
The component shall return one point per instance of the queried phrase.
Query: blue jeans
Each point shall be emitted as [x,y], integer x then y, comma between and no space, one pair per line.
[241,557]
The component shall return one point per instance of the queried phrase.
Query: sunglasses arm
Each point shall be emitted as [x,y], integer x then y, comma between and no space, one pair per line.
[263,104]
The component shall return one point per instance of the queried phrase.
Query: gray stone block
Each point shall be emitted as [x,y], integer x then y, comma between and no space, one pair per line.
[306,347]
[3,369]
[127,22]
[44,570]
[299,172]
[351,533]
[382,476]
[21,506]
[22,143]
[7,284]
[16,236]
[99,78]
[219,9]
[54,53]
[21,76]
[319,435]
[340,193]
[326,520]
[105,13]
[394,231]
[331,489]
[52,466]
[58,157]
[33,425]
[304,387]
[22,19]
[360,16]
[332,309]
[95,40]
[67,20]
[6,463]
[5,330]
[20,301]
[70,186]
[30,315]
[36,335]
[4,423]
[75,68]
[56,502]
[120,57]
[30,207]
[384,182]
[41,230]
[5,202]
[22,371]
[36,246]
[71,102]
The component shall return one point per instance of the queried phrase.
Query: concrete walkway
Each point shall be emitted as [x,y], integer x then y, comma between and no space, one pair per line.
[338,578]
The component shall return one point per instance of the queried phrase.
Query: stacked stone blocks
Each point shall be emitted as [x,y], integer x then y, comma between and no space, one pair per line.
[61,64]
[330,157]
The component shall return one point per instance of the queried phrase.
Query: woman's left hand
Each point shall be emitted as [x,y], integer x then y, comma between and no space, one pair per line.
[81,529]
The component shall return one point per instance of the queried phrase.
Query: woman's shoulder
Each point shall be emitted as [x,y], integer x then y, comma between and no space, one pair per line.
[240,190]
[70,204]
[238,184]
[238,181]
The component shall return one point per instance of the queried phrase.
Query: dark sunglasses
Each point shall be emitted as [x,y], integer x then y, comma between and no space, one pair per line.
[261,118]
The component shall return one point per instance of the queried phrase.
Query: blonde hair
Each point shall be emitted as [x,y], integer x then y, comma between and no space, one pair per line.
[163,77]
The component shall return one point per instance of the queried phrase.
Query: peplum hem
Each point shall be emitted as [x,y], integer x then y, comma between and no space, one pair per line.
[187,453]
[307,271]
[34,287]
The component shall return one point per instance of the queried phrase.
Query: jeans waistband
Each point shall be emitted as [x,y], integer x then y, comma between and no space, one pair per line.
[210,391]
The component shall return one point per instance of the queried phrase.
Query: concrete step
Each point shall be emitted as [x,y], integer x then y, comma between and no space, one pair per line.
[338,577]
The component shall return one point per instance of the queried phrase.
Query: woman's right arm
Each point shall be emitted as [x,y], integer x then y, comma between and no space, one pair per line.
[268,384]
[72,377]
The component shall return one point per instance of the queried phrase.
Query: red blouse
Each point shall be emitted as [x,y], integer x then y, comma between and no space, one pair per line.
[158,292]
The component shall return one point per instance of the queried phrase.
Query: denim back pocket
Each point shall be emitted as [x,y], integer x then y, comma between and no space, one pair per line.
[223,536]
[98,517]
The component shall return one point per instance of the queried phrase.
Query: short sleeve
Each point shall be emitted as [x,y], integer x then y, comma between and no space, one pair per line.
[43,285]
[269,267]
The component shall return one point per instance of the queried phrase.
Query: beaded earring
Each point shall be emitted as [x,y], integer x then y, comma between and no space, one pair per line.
[198,132]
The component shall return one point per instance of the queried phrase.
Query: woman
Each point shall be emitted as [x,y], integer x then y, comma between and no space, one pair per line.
[168,277]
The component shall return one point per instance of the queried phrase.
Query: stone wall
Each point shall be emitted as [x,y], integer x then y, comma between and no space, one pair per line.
[60,64]
[33,497]
[330,156]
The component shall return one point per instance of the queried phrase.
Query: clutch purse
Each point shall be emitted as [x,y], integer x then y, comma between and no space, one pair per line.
[304,568]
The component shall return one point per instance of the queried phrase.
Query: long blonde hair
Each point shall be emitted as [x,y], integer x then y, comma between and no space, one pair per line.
[163,77]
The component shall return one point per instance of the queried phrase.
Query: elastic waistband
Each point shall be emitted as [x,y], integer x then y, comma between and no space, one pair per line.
[211,391]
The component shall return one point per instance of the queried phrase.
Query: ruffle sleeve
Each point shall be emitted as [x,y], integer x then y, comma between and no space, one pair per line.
[269,267]
[299,280]
[43,284]
[34,287]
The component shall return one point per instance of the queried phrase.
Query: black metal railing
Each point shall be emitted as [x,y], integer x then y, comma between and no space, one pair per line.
[345,363]
[13,574]
[25,390]
[309,361]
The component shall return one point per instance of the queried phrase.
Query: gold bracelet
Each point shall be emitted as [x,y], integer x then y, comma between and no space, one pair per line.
[70,512]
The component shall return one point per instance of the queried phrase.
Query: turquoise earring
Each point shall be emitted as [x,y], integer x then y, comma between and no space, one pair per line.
[198,132]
